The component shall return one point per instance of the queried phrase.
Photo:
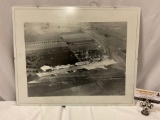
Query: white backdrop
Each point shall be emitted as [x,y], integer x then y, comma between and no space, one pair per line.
[149,47]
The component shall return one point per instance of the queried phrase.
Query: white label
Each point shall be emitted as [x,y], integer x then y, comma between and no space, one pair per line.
[153,95]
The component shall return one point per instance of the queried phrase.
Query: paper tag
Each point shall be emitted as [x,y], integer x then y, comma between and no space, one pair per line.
[152,95]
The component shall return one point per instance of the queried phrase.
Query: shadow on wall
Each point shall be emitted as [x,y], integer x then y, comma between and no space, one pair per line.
[1,99]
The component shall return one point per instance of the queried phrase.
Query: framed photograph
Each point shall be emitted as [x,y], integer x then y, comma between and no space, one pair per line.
[75,55]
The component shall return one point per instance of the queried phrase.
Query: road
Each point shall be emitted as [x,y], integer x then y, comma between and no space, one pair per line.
[115,54]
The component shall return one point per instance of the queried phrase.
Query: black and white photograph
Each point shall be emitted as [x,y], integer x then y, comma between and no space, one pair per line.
[75,55]
[75,59]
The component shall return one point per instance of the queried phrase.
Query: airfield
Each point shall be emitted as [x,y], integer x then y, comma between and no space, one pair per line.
[56,44]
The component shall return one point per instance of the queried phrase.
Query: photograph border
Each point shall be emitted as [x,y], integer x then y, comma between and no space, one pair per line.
[33,14]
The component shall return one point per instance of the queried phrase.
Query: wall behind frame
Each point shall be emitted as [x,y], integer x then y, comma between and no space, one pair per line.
[148,67]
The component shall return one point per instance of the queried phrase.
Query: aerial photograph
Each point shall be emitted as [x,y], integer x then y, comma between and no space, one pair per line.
[75,59]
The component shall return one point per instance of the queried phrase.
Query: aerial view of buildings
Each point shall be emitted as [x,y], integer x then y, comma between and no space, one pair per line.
[75,59]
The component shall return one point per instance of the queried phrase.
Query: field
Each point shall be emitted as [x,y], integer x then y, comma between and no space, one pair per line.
[60,44]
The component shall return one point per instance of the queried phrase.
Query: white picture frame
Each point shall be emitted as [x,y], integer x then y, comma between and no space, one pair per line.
[114,21]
